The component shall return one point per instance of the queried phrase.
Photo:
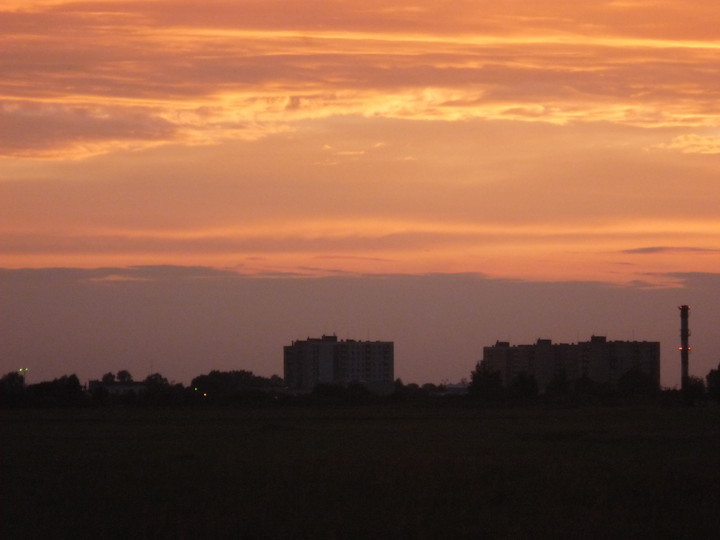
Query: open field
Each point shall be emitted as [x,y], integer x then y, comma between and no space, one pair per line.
[367,472]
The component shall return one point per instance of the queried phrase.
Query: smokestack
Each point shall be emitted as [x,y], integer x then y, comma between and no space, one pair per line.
[684,344]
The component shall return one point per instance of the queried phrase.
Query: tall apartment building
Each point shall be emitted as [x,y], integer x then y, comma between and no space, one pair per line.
[598,360]
[328,360]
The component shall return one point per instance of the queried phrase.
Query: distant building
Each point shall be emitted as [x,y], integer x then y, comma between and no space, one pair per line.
[598,360]
[326,360]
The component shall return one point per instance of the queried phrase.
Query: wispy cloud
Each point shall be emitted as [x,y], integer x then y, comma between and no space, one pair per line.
[183,74]
[668,249]
[514,139]
[692,144]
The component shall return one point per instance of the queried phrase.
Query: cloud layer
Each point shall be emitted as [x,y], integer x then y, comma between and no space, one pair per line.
[553,140]
[175,71]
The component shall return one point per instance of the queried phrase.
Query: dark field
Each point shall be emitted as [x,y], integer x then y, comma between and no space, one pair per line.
[368,472]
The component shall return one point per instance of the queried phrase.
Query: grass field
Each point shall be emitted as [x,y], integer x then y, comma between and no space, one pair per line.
[366,472]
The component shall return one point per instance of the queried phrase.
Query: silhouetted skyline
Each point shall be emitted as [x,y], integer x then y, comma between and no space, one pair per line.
[181,322]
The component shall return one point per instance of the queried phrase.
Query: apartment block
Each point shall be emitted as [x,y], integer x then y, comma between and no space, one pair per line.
[598,360]
[312,361]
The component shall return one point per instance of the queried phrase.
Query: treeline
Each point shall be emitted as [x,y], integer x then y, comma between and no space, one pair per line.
[486,386]
[243,387]
[214,388]
[121,388]
[65,391]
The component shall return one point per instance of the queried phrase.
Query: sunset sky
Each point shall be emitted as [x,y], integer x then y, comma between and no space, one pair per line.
[535,143]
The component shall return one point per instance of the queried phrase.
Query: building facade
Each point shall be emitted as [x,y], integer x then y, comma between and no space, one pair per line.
[598,360]
[313,361]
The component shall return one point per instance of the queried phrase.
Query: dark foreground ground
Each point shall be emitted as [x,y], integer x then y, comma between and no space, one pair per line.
[372,472]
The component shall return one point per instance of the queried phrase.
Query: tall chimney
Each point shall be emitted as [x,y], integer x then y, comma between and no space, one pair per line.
[684,344]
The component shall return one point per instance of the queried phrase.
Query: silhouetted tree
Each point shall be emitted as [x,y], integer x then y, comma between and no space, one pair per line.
[635,383]
[108,378]
[408,392]
[430,388]
[694,390]
[63,391]
[233,385]
[12,389]
[158,391]
[156,380]
[415,392]
[524,386]
[713,384]
[98,392]
[485,384]
[123,376]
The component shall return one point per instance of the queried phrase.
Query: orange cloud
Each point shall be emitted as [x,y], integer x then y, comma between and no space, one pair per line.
[693,144]
[547,138]
[247,69]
